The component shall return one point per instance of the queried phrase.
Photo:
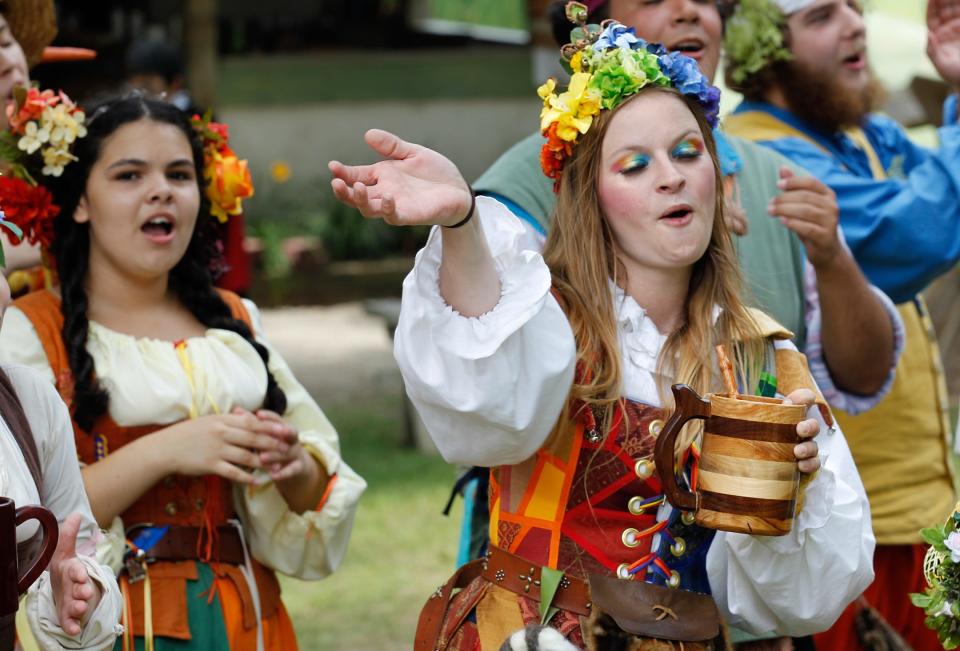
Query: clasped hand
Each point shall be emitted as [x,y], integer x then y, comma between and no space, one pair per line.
[233,445]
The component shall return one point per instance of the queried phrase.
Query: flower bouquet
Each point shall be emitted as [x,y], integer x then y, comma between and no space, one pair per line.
[941,568]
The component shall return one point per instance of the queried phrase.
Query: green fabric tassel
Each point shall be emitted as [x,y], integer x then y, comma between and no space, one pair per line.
[549,584]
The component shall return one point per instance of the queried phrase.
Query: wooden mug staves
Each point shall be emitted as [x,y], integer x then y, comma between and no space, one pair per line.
[747,480]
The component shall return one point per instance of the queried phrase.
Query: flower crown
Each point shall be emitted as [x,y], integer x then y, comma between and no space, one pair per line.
[45,126]
[941,568]
[753,37]
[228,177]
[608,63]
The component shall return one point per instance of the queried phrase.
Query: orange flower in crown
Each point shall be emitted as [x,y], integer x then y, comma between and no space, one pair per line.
[227,176]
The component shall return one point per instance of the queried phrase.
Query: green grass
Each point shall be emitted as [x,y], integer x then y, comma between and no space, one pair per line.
[402,547]
[342,75]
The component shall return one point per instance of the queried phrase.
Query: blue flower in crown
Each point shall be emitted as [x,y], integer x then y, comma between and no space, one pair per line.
[685,76]
[618,36]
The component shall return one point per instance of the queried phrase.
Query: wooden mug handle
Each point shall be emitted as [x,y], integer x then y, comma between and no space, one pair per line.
[689,405]
[50,535]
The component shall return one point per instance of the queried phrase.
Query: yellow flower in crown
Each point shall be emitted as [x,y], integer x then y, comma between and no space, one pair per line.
[572,110]
[229,183]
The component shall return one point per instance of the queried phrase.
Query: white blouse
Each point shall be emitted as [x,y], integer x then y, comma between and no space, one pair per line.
[62,492]
[149,383]
[490,389]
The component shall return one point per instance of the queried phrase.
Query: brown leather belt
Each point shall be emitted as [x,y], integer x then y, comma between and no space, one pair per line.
[190,543]
[522,577]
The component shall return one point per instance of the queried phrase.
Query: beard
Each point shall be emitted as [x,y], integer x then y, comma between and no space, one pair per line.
[824,102]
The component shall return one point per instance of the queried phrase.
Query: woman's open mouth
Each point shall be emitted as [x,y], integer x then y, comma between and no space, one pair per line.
[678,216]
[158,229]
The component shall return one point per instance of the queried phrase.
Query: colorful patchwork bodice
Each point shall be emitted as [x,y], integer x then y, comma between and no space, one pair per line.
[587,504]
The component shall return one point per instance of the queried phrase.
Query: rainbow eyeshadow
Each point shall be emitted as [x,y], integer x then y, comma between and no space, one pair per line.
[688,148]
[630,163]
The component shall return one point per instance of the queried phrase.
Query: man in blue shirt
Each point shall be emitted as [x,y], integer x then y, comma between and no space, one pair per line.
[803,67]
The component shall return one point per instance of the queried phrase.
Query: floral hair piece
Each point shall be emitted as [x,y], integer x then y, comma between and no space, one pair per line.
[608,63]
[228,178]
[44,125]
[753,37]
[941,568]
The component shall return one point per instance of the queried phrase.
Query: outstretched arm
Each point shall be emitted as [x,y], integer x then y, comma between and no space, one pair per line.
[415,186]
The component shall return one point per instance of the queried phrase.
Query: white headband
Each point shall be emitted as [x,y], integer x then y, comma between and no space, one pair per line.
[789,7]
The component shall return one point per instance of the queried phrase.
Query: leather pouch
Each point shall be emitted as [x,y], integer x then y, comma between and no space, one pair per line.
[649,610]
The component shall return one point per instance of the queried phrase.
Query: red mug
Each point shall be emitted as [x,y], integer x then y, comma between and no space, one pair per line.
[13,582]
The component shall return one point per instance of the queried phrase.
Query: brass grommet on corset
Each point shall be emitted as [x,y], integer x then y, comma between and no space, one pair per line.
[644,468]
[635,505]
[170,508]
[674,580]
[655,427]
[630,537]
[688,517]
[623,571]
[679,547]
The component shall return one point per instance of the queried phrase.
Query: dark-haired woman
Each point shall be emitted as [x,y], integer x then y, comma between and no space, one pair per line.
[193,432]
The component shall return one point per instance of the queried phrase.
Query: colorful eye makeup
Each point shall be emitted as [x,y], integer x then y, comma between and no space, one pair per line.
[636,161]
[631,163]
[688,148]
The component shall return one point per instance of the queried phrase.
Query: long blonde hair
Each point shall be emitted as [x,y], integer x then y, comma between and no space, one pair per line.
[582,256]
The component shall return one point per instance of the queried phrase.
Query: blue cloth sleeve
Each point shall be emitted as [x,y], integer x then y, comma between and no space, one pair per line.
[903,232]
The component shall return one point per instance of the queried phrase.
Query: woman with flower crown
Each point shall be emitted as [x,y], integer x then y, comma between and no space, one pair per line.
[553,371]
[210,463]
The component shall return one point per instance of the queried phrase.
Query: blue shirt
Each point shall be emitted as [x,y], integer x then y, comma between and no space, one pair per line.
[904,230]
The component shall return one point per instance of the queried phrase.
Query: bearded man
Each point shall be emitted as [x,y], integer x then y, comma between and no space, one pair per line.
[803,67]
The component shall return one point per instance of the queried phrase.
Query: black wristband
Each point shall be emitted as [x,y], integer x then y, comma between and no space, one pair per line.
[473,208]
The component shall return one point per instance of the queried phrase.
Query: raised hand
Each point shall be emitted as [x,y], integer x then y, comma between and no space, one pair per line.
[414,185]
[807,452]
[943,38]
[809,208]
[74,593]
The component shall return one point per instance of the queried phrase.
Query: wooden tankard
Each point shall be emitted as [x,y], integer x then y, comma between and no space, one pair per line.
[748,475]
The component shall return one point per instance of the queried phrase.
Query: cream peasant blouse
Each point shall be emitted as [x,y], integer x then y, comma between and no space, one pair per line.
[490,389]
[150,383]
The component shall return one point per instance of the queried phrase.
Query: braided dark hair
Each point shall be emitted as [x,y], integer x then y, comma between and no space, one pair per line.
[191,279]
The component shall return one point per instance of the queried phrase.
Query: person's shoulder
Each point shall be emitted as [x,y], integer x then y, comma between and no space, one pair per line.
[30,385]
[762,157]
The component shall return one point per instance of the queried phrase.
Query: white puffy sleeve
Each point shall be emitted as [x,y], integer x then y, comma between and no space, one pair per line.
[63,494]
[490,388]
[309,545]
[799,584]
